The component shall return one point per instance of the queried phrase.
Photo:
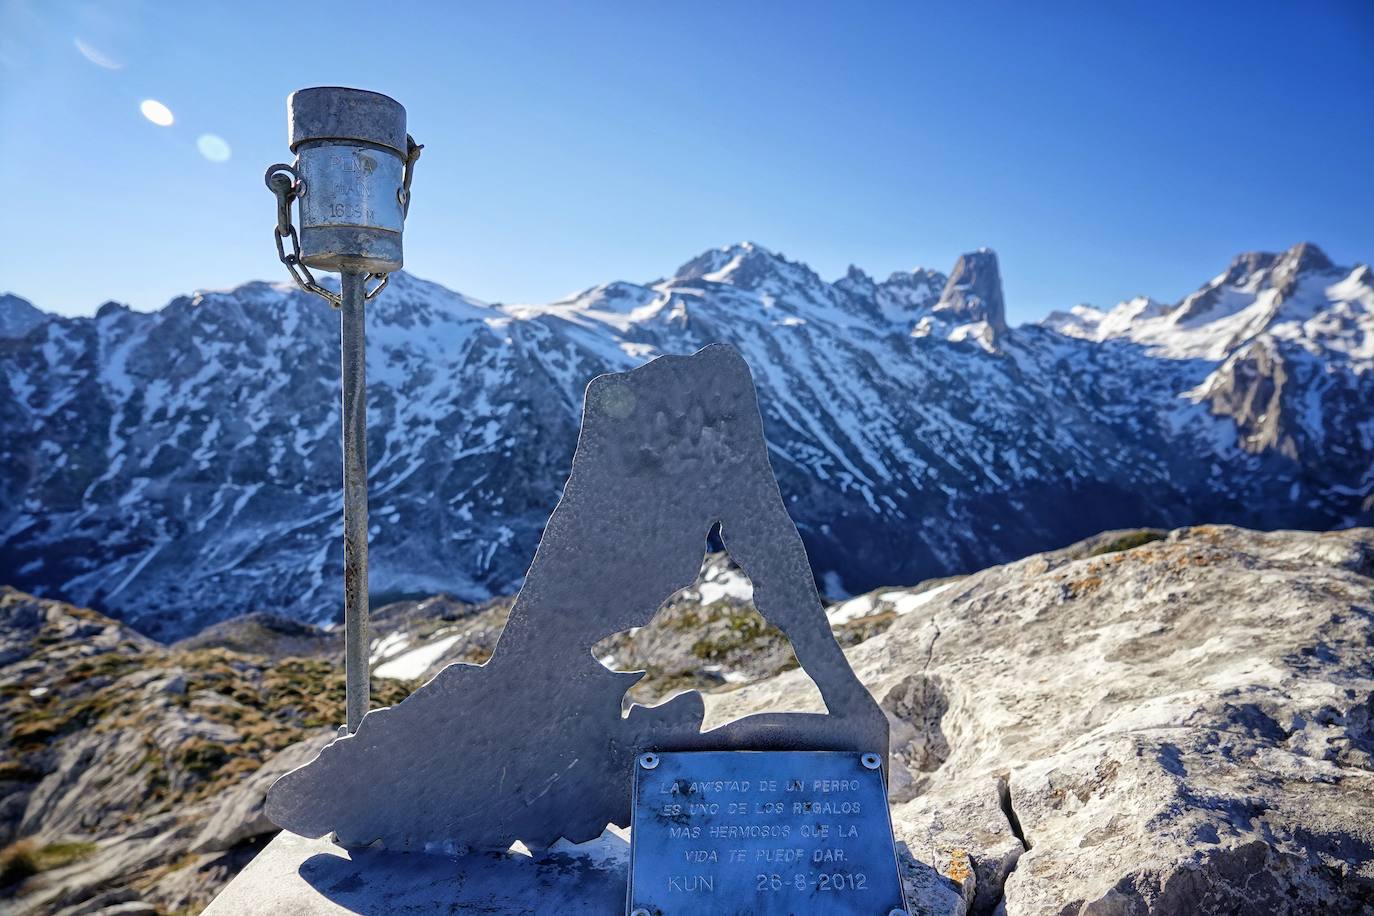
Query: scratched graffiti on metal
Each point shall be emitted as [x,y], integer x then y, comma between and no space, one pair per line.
[532,745]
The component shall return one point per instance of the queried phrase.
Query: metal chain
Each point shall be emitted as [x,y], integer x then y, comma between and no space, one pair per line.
[284,182]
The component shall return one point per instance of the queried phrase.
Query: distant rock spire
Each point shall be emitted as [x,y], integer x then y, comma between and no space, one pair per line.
[974,291]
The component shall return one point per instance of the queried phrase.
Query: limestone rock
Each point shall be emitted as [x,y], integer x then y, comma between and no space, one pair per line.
[1178,724]
[1182,727]
[238,813]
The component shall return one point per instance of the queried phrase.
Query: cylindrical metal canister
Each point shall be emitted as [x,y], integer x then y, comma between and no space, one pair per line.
[350,147]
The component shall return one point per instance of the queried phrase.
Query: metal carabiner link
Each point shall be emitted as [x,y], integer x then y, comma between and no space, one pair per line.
[412,155]
[372,293]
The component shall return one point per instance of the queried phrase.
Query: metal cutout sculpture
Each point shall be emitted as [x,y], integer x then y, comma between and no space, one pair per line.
[532,745]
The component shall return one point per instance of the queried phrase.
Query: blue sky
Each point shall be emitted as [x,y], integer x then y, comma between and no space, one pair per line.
[1103,149]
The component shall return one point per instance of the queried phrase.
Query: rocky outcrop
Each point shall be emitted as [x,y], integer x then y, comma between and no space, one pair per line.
[1182,727]
[1249,387]
[238,814]
[1143,723]
[973,292]
[133,774]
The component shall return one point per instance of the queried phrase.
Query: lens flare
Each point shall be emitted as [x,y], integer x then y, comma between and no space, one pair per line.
[156,112]
[96,56]
[213,147]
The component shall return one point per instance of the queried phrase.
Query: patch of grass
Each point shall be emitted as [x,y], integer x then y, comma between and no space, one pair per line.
[18,861]
[55,855]
[25,858]
[687,620]
[856,631]
[34,734]
[1128,542]
[202,757]
[14,771]
[107,664]
[746,627]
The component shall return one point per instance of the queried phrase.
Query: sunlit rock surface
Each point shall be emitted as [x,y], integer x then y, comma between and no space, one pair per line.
[1146,722]
[1183,727]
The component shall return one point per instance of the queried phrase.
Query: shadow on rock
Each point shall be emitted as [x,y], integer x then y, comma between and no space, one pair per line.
[571,880]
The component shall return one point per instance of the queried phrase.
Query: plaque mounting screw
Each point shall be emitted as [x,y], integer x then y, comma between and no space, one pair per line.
[648,761]
[872,762]
[643,912]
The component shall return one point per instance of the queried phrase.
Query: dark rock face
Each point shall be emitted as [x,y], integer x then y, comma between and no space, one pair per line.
[1250,389]
[18,316]
[974,291]
[181,467]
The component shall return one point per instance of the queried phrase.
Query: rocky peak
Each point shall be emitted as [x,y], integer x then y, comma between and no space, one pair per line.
[111,309]
[856,282]
[973,292]
[617,296]
[1246,265]
[911,290]
[905,297]
[1082,320]
[746,265]
[1302,258]
[18,316]
[1260,268]
[719,259]
[1252,273]
[902,299]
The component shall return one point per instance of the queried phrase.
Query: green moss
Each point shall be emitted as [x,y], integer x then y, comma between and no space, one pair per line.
[746,628]
[1128,541]
[56,855]
[687,620]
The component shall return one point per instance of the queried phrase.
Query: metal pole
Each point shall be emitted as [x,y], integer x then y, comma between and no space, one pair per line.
[355,157]
[353,347]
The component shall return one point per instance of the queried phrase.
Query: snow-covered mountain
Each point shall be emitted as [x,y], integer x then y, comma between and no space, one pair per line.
[180,467]
[18,316]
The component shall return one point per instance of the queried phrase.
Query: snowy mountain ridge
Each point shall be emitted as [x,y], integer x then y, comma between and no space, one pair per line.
[18,316]
[179,467]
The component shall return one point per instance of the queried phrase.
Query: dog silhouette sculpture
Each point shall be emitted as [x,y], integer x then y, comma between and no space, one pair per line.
[532,745]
